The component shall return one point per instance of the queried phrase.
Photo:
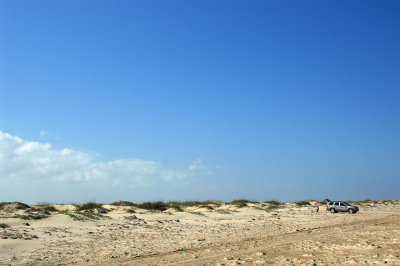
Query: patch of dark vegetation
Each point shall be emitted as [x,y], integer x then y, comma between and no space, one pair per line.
[37,211]
[22,206]
[47,208]
[75,216]
[302,203]
[162,206]
[130,211]
[272,208]
[208,207]
[89,206]
[198,213]
[366,201]
[18,205]
[175,205]
[123,203]
[213,202]
[50,208]
[85,216]
[179,205]
[273,202]
[190,203]
[240,203]
[94,216]
[4,226]
[386,202]
[178,208]
[31,217]
[152,205]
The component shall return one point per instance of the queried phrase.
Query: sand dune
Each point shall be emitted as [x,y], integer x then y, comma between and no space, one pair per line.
[204,234]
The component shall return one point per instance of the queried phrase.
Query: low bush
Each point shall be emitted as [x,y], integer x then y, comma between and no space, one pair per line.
[49,208]
[153,206]
[185,203]
[130,211]
[272,208]
[4,225]
[123,203]
[178,205]
[242,202]
[273,202]
[198,213]
[89,206]
[302,203]
[31,217]
[223,212]
[22,206]
[175,205]
[19,205]
[76,217]
[367,201]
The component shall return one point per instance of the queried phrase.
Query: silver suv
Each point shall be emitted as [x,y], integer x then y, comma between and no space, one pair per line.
[341,206]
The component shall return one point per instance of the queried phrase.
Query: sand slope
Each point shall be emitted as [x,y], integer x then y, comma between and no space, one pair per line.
[202,236]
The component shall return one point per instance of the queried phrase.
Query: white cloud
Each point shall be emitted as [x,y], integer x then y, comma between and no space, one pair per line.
[43,133]
[195,165]
[28,161]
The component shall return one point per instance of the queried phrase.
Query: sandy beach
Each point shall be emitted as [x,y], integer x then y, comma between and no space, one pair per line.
[214,233]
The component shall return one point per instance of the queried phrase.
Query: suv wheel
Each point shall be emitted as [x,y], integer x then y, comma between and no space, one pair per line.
[351,211]
[332,210]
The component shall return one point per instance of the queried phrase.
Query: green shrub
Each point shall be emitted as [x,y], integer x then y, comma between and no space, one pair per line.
[241,202]
[4,225]
[184,203]
[89,206]
[271,208]
[175,205]
[367,201]
[130,211]
[178,205]
[198,213]
[92,216]
[46,206]
[123,203]
[302,203]
[31,217]
[153,206]
[206,207]
[85,216]
[273,202]
[49,208]
[21,206]
[178,208]
[76,217]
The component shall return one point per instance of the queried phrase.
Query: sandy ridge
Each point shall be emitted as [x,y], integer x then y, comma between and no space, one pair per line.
[257,245]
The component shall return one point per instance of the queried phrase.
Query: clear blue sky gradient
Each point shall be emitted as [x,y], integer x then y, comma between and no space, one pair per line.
[285,100]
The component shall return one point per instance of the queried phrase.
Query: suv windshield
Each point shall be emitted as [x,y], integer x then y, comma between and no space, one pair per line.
[345,204]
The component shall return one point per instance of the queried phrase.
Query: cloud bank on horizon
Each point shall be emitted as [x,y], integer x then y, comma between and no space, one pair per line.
[29,162]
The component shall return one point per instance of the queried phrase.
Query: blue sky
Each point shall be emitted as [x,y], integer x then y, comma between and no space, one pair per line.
[197,100]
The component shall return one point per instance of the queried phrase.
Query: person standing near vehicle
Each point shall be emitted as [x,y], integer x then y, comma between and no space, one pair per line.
[327,202]
[315,211]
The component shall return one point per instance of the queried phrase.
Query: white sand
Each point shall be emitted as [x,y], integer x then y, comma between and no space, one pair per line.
[226,235]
